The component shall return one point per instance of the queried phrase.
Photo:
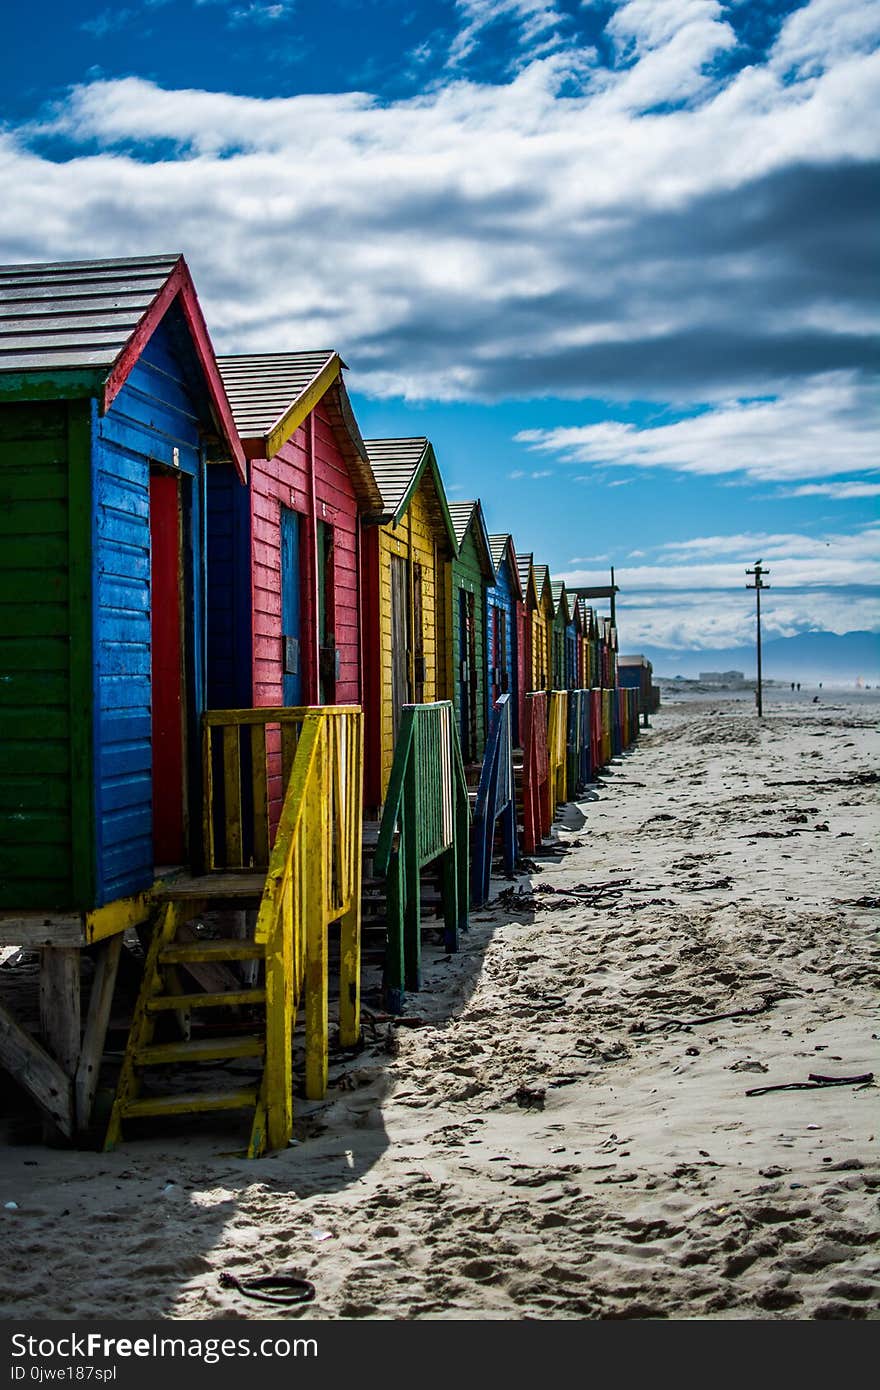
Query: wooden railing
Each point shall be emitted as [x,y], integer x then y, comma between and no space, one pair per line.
[495,801]
[537,815]
[426,817]
[607,718]
[579,760]
[557,753]
[313,878]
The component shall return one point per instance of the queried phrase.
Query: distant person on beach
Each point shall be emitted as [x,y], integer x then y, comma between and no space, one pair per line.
[792,685]
[798,685]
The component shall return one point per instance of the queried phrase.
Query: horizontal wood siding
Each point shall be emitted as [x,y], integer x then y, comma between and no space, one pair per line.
[36,870]
[500,595]
[465,573]
[416,532]
[152,415]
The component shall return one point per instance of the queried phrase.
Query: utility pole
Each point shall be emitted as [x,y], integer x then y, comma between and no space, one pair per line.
[758,585]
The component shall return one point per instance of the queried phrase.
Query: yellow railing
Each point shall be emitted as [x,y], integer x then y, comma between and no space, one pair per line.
[313,878]
[557,745]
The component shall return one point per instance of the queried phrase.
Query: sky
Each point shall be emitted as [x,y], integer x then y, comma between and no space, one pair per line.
[616,258]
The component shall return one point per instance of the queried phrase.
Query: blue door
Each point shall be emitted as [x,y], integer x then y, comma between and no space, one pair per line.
[291,646]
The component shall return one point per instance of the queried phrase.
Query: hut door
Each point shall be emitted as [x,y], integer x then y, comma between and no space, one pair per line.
[328,658]
[399,639]
[467,648]
[167,669]
[418,637]
[291,645]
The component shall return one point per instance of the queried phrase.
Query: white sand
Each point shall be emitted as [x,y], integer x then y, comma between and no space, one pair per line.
[632,1176]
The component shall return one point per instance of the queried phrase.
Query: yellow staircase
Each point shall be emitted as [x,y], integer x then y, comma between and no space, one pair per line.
[161,993]
[313,879]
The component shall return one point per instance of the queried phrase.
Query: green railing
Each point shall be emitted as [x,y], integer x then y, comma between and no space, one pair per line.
[426,818]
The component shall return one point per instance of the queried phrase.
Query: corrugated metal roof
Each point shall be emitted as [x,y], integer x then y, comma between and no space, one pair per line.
[461,513]
[542,574]
[498,547]
[263,386]
[395,463]
[75,314]
[557,589]
[523,565]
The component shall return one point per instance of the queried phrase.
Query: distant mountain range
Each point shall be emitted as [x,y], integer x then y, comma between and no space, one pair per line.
[811,656]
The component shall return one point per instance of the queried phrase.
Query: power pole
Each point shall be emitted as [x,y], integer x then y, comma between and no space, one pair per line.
[758,585]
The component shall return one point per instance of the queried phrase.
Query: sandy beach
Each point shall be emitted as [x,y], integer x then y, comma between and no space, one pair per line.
[561,1126]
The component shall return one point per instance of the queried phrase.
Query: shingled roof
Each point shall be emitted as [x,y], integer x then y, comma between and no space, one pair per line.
[76,328]
[398,466]
[273,393]
[463,514]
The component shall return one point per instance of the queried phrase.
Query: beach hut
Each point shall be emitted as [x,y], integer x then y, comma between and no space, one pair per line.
[561,620]
[505,629]
[542,630]
[404,552]
[112,412]
[284,594]
[470,575]
[526,573]
[573,645]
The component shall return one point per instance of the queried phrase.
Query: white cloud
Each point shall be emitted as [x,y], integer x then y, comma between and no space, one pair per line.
[541,236]
[824,426]
[840,491]
[537,22]
[693,593]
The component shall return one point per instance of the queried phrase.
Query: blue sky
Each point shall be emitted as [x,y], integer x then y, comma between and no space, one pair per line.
[615,257]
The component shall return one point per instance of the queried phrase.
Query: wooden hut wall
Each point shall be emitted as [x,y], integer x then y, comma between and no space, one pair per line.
[108,635]
[558,640]
[47,851]
[502,639]
[147,467]
[285,481]
[467,585]
[572,644]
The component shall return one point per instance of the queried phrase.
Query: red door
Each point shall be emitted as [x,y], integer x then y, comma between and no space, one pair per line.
[166,639]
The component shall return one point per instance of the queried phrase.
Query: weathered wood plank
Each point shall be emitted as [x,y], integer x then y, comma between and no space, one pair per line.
[100,1001]
[37,1073]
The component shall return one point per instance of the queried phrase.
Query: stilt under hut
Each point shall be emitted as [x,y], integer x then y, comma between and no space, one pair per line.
[505,636]
[471,574]
[404,552]
[112,412]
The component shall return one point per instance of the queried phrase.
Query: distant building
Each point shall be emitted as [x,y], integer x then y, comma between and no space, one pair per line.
[720,677]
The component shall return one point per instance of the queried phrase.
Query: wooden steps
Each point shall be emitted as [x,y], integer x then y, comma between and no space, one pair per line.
[162,1003]
[200,1050]
[192,1103]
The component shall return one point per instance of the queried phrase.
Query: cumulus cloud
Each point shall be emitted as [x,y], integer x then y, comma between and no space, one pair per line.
[838,491]
[646,229]
[692,593]
[823,426]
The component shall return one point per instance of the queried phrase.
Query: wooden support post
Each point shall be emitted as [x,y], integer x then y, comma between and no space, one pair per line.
[449,883]
[97,1019]
[60,1014]
[278,1082]
[37,1073]
[317,850]
[350,929]
[412,908]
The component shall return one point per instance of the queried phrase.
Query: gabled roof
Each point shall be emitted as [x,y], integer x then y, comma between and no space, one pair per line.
[557,590]
[543,585]
[273,393]
[398,467]
[526,571]
[469,515]
[502,547]
[76,328]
